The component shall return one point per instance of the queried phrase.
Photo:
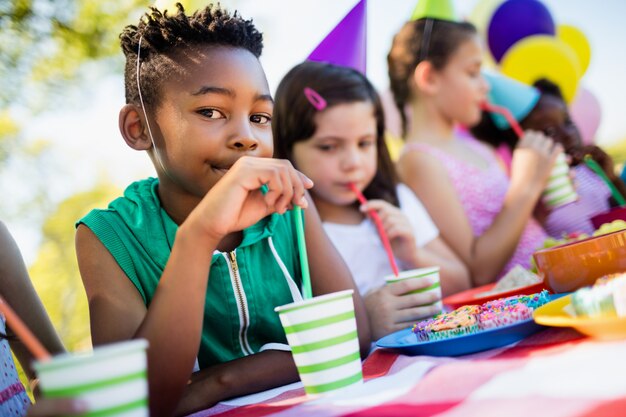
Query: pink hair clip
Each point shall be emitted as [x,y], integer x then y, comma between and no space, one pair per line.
[314,98]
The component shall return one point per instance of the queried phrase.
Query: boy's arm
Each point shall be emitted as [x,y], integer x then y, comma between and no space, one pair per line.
[17,289]
[172,326]
[254,373]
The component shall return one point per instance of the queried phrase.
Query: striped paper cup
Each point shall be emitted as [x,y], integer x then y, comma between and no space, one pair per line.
[560,189]
[432,273]
[322,334]
[111,380]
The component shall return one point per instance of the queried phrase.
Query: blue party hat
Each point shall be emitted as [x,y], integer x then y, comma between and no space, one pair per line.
[518,98]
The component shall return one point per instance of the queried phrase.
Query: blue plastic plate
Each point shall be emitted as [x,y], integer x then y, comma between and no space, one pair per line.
[405,341]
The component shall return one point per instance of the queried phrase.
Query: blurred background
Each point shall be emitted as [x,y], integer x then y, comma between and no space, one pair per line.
[61,89]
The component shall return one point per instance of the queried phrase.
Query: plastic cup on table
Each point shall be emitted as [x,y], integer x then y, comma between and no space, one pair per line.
[322,334]
[560,188]
[430,273]
[111,379]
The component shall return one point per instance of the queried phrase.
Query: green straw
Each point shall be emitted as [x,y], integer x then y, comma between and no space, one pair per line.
[304,261]
[595,167]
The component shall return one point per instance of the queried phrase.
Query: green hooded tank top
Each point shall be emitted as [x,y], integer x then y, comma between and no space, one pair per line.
[244,285]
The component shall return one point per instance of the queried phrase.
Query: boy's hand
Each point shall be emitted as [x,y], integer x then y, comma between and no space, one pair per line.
[398,228]
[237,202]
[390,308]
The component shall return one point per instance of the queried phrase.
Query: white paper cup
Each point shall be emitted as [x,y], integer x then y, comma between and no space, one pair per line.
[559,189]
[111,379]
[324,342]
[431,273]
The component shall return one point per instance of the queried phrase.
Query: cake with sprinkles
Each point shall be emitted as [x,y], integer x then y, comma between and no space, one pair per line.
[471,319]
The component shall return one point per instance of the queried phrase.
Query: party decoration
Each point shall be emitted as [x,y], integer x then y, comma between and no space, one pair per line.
[577,40]
[482,13]
[189,5]
[346,44]
[541,56]
[434,9]
[511,94]
[515,20]
[586,113]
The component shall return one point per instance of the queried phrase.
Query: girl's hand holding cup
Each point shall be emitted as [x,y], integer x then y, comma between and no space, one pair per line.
[395,306]
[533,160]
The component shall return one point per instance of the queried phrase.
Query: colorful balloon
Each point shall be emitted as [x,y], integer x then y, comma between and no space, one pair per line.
[515,20]
[189,5]
[575,38]
[542,56]
[586,114]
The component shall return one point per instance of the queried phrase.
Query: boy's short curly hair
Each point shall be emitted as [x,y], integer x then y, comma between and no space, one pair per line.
[163,35]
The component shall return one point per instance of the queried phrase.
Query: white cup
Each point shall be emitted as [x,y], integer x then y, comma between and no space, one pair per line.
[560,188]
[111,379]
[431,273]
[322,334]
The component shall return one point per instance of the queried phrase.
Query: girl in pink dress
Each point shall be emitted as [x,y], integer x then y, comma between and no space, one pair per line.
[434,67]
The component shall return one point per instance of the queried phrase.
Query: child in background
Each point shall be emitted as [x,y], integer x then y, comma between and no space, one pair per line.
[545,110]
[434,65]
[343,143]
[196,260]
[18,291]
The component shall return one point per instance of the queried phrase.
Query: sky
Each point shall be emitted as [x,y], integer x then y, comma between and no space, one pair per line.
[85,136]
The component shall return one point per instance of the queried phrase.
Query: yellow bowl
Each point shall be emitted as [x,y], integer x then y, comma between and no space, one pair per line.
[606,327]
[566,268]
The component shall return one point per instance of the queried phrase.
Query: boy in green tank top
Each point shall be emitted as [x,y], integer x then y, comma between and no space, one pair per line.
[196,260]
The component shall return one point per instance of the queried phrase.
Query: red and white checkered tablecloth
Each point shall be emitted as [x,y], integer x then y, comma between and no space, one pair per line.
[556,372]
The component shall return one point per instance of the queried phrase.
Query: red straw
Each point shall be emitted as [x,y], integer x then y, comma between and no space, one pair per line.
[23,333]
[379,226]
[507,115]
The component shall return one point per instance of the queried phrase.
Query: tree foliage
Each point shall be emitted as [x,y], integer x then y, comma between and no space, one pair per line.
[45,42]
[55,272]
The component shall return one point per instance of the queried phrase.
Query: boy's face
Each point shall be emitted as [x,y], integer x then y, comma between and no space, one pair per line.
[216,109]
[551,117]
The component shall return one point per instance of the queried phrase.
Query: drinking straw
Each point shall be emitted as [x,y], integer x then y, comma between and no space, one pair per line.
[379,226]
[595,167]
[485,105]
[23,333]
[304,260]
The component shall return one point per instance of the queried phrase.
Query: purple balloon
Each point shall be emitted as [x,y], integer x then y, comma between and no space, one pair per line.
[517,19]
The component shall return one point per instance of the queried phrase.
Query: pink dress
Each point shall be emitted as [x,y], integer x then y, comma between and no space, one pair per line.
[481,193]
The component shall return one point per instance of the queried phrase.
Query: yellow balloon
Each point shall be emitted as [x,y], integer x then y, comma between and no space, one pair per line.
[575,38]
[542,56]
[189,5]
[481,15]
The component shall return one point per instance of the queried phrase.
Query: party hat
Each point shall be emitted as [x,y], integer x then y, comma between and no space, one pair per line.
[434,9]
[346,44]
[519,98]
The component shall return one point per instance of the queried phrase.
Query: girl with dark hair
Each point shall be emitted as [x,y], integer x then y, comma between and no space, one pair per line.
[549,114]
[339,143]
[434,67]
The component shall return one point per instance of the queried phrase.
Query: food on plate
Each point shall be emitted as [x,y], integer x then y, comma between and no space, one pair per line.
[475,318]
